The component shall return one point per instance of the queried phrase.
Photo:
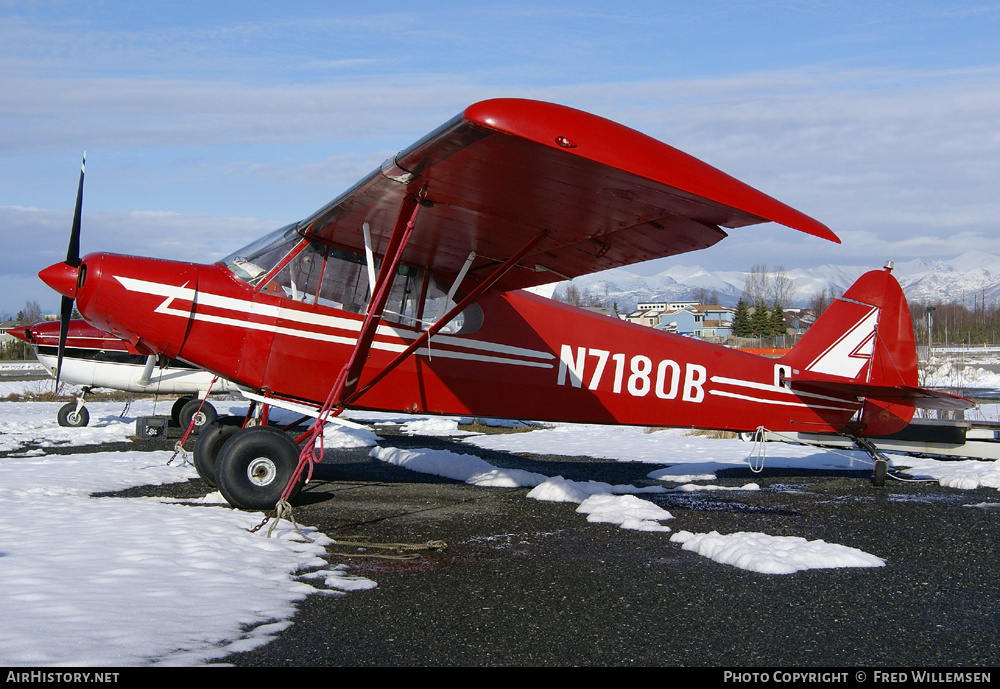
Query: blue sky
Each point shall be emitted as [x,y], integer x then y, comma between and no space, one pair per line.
[208,123]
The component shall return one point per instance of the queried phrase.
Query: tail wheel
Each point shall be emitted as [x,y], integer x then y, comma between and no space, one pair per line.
[71,418]
[211,438]
[203,414]
[881,470]
[254,466]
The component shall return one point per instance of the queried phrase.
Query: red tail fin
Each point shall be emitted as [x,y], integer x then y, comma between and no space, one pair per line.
[863,345]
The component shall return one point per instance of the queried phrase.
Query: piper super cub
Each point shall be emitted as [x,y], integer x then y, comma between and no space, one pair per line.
[406,293]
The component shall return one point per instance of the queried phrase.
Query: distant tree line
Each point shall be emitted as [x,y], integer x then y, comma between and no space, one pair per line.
[762,322]
[956,323]
[753,318]
[574,296]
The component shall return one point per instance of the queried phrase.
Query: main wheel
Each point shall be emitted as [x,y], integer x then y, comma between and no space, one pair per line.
[254,466]
[175,411]
[211,438]
[69,417]
[202,418]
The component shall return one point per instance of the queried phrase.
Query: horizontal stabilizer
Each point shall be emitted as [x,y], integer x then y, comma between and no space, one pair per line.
[919,398]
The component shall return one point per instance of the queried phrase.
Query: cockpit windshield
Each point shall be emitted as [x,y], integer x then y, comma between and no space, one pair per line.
[253,262]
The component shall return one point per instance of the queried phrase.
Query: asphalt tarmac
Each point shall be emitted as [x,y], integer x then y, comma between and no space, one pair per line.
[528,583]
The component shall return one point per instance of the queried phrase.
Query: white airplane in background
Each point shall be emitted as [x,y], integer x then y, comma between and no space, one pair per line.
[94,359]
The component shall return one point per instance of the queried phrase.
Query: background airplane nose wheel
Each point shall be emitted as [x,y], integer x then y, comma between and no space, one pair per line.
[69,416]
[175,411]
[254,466]
[202,418]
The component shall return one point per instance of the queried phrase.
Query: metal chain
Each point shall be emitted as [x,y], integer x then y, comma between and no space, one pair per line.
[399,547]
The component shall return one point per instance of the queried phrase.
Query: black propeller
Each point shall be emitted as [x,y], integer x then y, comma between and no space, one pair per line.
[72,259]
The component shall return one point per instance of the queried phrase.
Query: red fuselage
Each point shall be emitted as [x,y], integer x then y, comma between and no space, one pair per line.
[530,357]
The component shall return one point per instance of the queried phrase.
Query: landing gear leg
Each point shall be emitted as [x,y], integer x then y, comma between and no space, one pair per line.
[881,468]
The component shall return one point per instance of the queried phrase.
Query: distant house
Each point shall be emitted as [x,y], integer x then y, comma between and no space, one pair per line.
[6,339]
[715,329]
[797,321]
[683,321]
[710,321]
[647,317]
[651,306]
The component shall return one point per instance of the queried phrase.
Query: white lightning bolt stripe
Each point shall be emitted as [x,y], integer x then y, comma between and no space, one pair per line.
[304,317]
[852,351]
[783,403]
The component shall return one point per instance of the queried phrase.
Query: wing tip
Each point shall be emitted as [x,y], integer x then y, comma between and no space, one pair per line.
[813,227]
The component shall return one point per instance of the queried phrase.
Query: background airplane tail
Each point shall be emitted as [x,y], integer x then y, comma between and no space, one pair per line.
[863,346]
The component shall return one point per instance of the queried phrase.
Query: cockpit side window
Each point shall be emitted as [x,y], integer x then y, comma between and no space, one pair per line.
[437,304]
[403,306]
[335,277]
[345,281]
[299,279]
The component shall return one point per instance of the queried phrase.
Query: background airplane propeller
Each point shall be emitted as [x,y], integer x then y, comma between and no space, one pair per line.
[73,260]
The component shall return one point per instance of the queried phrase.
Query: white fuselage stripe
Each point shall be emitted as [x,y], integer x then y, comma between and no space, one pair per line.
[322,320]
[733,395]
[776,388]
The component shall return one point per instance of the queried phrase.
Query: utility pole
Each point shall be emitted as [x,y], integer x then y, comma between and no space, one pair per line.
[929,319]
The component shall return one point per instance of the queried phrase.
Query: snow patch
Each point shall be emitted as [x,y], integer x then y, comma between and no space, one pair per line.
[766,554]
[627,511]
[466,468]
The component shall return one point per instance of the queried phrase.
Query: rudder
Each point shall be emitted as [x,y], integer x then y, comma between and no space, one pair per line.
[864,338]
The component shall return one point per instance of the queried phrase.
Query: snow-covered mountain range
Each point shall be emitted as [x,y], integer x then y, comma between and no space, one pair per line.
[970,276]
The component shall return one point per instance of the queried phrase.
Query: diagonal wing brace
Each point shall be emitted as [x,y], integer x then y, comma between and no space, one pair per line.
[490,281]
[349,375]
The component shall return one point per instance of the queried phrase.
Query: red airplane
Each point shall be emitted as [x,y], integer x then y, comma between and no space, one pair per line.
[406,294]
[94,359]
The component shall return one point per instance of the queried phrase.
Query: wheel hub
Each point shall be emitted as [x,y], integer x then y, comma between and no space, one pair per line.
[261,471]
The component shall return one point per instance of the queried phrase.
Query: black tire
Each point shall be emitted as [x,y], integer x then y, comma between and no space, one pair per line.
[202,418]
[175,411]
[69,417]
[254,466]
[211,438]
[881,470]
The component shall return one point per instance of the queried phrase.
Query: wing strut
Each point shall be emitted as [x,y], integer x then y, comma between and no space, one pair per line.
[444,320]
[348,378]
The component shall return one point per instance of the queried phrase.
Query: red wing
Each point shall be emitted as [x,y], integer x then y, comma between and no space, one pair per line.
[505,170]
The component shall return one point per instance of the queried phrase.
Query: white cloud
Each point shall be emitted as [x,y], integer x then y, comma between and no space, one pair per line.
[255,116]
